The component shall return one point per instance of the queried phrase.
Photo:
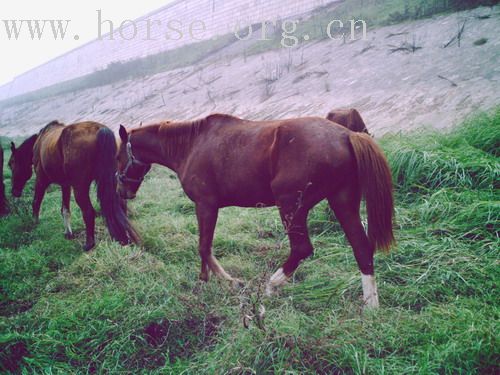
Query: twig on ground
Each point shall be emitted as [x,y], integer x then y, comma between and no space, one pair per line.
[447,79]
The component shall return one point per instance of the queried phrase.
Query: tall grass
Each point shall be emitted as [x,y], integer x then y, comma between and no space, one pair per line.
[142,309]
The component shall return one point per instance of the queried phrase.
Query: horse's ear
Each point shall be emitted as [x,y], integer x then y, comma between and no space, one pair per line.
[123,134]
[12,147]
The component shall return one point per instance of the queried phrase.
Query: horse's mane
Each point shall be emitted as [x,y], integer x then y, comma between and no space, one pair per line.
[179,136]
[27,147]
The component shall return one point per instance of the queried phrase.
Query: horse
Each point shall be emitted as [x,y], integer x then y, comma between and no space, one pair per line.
[350,118]
[3,200]
[293,164]
[73,156]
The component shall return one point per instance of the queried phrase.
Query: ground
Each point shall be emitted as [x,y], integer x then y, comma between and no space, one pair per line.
[142,309]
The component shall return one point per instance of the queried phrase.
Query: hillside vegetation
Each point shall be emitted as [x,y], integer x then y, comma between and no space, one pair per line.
[375,13]
[142,309]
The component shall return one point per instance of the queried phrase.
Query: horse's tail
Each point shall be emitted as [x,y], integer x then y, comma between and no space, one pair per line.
[112,209]
[375,181]
[3,199]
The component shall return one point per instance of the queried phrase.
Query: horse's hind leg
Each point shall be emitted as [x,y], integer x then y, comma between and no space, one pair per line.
[83,200]
[207,218]
[345,204]
[294,218]
[65,210]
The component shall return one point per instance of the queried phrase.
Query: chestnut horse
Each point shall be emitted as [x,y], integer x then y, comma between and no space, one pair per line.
[3,200]
[349,118]
[73,156]
[294,164]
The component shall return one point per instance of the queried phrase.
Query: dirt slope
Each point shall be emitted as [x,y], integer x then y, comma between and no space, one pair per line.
[394,90]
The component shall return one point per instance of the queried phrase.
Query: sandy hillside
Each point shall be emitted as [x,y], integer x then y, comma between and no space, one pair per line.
[394,90]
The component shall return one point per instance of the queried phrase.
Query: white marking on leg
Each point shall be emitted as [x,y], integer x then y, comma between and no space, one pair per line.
[66,214]
[370,293]
[279,278]
[217,268]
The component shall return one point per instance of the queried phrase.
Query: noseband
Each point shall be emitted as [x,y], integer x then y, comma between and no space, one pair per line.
[131,161]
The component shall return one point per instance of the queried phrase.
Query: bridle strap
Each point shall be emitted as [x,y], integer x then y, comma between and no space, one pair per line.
[131,160]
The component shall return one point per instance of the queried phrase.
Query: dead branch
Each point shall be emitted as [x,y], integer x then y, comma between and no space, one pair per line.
[447,79]
[396,34]
[457,37]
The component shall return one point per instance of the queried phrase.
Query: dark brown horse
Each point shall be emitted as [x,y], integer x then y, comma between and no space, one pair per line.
[294,164]
[348,117]
[3,200]
[73,156]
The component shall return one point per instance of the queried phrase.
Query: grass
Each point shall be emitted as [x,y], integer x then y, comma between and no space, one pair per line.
[142,309]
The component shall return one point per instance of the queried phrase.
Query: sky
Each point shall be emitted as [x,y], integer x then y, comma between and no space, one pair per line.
[22,54]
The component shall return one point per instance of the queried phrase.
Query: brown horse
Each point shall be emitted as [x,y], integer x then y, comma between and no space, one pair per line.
[294,164]
[73,156]
[3,200]
[349,118]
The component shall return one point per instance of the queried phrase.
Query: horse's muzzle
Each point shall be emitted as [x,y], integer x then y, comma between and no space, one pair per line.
[16,193]
[125,194]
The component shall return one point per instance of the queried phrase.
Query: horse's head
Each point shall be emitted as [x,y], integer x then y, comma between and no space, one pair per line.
[349,118]
[20,163]
[131,171]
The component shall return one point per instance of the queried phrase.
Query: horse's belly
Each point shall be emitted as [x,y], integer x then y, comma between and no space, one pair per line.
[242,201]
[249,195]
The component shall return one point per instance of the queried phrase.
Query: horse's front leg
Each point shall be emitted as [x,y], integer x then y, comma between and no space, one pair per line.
[207,218]
[41,185]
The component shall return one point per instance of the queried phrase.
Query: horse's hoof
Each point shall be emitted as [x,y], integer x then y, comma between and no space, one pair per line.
[277,279]
[88,247]
[69,236]
[269,290]
[237,284]
[371,305]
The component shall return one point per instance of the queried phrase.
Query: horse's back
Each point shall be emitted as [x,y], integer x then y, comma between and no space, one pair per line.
[299,141]
[47,156]
[78,143]
[246,162]
[312,151]
[66,153]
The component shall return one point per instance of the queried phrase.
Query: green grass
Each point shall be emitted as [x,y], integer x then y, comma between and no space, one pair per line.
[142,310]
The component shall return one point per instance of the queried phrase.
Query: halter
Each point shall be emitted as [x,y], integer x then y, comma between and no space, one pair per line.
[131,160]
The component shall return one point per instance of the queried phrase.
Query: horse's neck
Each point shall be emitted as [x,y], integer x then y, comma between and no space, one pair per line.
[177,141]
[28,146]
[165,144]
